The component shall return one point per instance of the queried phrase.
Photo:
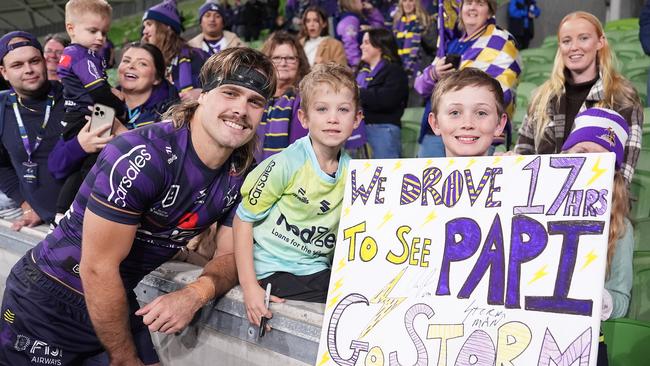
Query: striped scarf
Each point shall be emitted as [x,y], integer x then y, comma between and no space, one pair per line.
[275,126]
[366,75]
[408,36]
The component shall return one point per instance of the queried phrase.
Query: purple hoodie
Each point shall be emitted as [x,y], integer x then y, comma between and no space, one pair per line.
[348,30]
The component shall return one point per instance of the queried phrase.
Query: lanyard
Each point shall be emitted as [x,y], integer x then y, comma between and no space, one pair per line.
[134,114]
[21,125]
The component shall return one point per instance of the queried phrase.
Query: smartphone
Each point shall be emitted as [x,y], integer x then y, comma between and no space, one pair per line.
[102,115]
[453,59]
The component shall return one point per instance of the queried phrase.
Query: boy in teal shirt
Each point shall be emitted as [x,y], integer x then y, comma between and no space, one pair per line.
[286,225]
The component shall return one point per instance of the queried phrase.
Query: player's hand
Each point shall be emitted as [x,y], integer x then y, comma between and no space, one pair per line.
[254,303]
[91,141]
[172,312]
[29,218]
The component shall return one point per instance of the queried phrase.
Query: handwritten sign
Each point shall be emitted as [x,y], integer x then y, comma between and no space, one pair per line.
[470,261]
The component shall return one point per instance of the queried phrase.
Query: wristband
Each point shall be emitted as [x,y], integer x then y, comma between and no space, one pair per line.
[204,287]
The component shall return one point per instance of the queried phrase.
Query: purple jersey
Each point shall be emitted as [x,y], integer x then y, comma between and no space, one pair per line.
[80,70]
[153,178]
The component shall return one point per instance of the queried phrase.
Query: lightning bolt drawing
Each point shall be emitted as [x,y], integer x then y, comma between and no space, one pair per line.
[540,273]
[398,165]
[590,257]
[519,159]
[338,284]
[333,301]
[324,359]
[341,265]
[428,163]
[597,172]
[387,217]
[471,162]
[451,162]
[497,160]
[429,217]
[388,303]
[366,166]
[346,211]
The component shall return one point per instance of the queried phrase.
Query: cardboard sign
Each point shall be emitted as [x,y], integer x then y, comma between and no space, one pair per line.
[470,261]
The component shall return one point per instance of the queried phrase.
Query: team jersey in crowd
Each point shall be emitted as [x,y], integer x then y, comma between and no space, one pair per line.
[80,70]
[153,178]
[295,207]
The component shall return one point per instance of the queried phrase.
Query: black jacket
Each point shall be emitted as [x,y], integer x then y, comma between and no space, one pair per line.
[385,98]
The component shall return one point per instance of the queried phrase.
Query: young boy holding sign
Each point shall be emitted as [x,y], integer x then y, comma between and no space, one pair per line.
[285,229]
[467,111]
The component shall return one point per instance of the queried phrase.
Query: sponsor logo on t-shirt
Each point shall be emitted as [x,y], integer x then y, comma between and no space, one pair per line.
[134,161]
[260,183]
[317,235]
[324,206]
[300,196]
[170,198]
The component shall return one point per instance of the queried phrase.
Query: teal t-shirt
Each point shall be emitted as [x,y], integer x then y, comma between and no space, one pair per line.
[295,209]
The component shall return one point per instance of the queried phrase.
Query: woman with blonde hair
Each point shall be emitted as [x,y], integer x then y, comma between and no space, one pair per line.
[598,130]
[409,23]
[584,76]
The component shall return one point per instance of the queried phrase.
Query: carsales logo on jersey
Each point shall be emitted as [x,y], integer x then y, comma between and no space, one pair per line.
[125,171]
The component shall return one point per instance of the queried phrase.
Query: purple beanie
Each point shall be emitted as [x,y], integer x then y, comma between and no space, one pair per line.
[210,5]
[5,48]
[602,126]
[165,13]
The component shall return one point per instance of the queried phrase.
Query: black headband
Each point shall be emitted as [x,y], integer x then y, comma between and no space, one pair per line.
[246,77]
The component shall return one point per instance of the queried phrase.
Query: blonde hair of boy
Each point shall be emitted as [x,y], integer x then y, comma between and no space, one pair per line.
[76,9]
[332,74]
[618,93]
[420,14]
[467,77]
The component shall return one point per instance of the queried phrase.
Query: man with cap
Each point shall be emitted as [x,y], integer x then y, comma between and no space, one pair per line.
[30,113]
[149,193]
[213,38]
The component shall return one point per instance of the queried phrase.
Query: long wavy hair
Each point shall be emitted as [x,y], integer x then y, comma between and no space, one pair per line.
[420,14]
[323,19]
[168,42]
[222,66]
[618,92]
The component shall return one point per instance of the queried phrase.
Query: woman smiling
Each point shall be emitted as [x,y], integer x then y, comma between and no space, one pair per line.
[583,76]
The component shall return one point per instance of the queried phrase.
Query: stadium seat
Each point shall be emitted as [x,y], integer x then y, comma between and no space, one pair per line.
[537,56]
[622,24]
[637,71]
[640,195]
[411,120]
[641,234]
[643,164]
[640,301]
[623,36]
[627,341]
[550,42]
[628,52]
